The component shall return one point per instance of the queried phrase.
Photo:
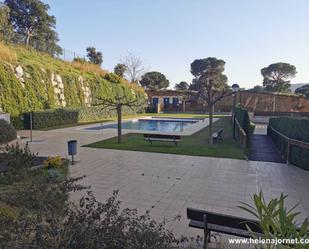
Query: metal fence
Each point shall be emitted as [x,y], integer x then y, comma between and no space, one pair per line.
[68,55]
[20,39]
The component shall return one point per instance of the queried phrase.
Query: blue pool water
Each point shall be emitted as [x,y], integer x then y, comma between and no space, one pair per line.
[164,125]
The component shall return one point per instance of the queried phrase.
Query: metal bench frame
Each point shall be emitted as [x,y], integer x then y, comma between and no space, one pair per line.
[162,138]
[214,222]
[218,135]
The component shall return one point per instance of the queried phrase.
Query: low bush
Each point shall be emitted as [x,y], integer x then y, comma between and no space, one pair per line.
[54,162]
[35,212]
[243,118]
[7,132]
[277,221]
[63,116]
[295,128]
[17,157]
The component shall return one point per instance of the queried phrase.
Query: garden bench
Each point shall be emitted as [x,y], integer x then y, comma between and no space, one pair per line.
[226,224]
[218,135]
[162,138]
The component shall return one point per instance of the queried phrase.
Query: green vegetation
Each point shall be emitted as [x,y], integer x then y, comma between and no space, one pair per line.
[243,118]
[120,69]
[32,25]
[277,221]
[94,57]
[277,76]
[37,93]
[194,145]
[154,81]
[303,90]
[210,84]
[7,132]
[182,86]
[35,212]
[71,116]
[295,128]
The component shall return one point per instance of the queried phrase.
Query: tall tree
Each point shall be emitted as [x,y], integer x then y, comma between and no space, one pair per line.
[120,69]
[277,76]
[304,90]
[33,25]
[154,81]
[182,86]
[134,67]
[5,27]
[94,56]
[210,83]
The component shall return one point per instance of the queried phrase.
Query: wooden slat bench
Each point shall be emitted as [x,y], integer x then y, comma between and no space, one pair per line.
[162,138]
[214,222]
[218,135]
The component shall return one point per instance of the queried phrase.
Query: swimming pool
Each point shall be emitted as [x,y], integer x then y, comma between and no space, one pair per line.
[162,125]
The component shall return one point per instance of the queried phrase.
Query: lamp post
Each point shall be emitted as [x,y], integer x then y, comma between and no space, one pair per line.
[235,89]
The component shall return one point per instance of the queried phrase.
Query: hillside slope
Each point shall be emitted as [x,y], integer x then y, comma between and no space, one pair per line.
[30,80]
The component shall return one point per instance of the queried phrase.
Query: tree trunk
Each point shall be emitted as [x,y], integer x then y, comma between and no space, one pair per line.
[211,111]
[119,123]
[27,40]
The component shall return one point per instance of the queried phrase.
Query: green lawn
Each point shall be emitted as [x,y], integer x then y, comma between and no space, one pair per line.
[195,145]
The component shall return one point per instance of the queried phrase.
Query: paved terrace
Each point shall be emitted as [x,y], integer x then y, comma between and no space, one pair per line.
[167,184]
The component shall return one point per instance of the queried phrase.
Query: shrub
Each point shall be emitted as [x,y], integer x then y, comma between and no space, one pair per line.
[63,116]
[242,116]
[54,162]
[276,221]
[45,219]
[7,132]
[17,157]
[295,128]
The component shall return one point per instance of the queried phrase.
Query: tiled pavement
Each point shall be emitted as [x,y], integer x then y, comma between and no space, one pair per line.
[167,184]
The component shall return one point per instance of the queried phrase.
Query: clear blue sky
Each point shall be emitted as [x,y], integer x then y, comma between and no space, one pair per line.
[169,34]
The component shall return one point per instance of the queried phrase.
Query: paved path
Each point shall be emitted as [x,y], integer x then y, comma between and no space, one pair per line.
[263,149]
[167,184]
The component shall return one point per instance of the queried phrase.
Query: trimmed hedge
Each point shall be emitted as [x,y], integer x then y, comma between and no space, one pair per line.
[63,116]
[7,132]
[243,118]
[295,128]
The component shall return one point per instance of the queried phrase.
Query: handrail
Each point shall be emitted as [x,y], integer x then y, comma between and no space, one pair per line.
[290,142]
[299,143]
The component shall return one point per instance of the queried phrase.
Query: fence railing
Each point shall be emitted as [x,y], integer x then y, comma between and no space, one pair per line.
[19,39]
[289,143]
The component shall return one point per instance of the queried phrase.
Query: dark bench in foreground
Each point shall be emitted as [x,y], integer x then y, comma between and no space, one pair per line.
[214,222]
[218,135]
[162,138]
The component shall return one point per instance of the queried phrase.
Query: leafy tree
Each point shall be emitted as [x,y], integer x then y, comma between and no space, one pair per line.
[94,56]
[121,97]
[80,60]
[5,28]
[276,76]
[120,69]
[256,89]
[112,77]
[210,83]
[154,81]
[134,67]
[182,86]
[33,25]
[304,90]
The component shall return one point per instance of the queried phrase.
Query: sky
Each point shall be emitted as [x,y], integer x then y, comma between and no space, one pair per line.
[168,35]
